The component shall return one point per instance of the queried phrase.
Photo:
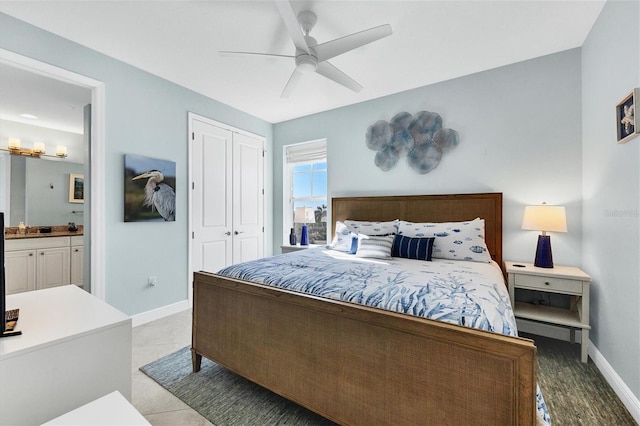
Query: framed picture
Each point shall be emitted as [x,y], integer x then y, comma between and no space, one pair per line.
[76,188]
[149,189]
[626,118]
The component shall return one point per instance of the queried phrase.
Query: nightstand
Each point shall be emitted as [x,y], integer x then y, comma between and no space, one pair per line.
[289,249]
[559,279]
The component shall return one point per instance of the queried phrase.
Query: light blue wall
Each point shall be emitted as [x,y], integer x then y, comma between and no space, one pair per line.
[145,115]
[520,134]
[611,195]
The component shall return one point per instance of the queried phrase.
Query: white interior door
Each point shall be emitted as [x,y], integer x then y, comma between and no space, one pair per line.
[211,208]
[248,198]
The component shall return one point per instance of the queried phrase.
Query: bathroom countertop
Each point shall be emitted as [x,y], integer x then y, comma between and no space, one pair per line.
[12,233]
[46,235]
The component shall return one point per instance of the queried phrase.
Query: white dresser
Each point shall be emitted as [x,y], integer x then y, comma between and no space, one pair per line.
[74,348]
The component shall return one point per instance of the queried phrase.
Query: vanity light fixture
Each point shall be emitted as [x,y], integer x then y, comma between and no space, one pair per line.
[14,147]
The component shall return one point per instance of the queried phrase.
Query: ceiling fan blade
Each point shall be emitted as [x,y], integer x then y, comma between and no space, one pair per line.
[291,22]
[344,44]
[332,73]
[292,83]
[231,52]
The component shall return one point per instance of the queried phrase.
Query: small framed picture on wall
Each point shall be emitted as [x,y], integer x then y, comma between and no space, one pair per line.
[626,118]
[76,188]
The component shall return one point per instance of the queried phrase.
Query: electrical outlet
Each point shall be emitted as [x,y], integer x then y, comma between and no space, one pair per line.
[152,281]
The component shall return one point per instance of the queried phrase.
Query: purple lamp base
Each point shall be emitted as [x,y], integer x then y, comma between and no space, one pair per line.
[544,259]
[304,236]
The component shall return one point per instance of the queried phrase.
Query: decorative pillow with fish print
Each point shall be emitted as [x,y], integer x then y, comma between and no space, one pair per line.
[372,228]
[344,239]
[453,240]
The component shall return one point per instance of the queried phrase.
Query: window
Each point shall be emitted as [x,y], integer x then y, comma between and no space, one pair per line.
[306,183]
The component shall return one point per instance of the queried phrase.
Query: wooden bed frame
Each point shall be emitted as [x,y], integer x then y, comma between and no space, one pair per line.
[361,366]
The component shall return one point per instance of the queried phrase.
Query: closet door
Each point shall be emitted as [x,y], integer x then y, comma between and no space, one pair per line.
[227,204]
[211,203]
[248,198]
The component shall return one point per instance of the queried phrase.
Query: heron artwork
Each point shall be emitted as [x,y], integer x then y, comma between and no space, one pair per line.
[158,195]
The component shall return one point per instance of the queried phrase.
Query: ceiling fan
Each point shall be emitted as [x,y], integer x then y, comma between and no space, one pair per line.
[311,56]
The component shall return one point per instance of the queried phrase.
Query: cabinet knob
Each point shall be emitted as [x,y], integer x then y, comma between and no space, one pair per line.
[76,250]
[41,253]
[547,283]
[30,254]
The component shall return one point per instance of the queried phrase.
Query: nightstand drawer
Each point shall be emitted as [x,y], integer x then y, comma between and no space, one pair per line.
[559,285]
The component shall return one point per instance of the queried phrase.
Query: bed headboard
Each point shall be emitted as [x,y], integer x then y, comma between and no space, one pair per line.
[428,208]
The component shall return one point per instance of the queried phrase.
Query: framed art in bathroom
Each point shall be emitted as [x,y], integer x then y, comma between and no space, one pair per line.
[627,121]
[76,188]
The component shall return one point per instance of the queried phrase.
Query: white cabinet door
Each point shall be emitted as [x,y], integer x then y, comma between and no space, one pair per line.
[77,265]
[248,177]
[52,266]
[20,271]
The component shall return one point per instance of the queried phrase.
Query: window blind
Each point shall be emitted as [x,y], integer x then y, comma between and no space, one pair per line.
[307,152]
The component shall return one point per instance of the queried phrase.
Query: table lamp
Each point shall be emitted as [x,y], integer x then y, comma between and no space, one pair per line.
[304,215]
[544,218]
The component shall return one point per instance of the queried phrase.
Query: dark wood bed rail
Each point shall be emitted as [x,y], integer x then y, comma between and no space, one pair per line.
[362,366]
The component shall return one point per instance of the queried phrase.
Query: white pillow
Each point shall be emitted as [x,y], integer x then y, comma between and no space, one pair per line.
[378,247]
[344,240]
[372,228]
[454,240]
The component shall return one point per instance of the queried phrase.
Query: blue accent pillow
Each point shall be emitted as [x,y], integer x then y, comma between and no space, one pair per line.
[412,248]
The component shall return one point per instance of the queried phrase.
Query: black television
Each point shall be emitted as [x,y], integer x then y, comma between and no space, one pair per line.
[8,320]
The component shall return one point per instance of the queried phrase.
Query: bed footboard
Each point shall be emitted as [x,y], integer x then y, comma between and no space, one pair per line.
[357,365]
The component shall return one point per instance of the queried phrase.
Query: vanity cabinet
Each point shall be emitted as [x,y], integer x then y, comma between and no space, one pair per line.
[39,263]
[77,260]
[52,267]
[20,270]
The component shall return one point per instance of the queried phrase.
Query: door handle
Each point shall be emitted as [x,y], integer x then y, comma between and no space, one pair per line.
[239,232]
[227,233]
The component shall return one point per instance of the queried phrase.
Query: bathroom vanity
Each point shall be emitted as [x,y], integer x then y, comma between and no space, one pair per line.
[36,261]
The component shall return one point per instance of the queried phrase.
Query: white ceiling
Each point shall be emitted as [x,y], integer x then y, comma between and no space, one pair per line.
[56,104]
[432,41]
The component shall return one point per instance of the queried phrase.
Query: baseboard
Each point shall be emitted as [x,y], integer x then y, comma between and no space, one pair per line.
[158,313]
[629,400]
[619,387]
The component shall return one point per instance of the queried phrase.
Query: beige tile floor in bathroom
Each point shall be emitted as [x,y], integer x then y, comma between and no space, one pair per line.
[151,341]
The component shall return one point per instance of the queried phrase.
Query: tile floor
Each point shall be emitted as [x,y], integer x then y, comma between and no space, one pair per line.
[151,341]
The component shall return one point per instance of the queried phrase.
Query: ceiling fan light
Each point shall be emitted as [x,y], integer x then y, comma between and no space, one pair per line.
[306,63]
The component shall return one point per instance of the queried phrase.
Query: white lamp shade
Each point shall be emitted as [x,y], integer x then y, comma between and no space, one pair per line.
[39,147]
[14,143]
[545,218]
[304,215]
[61,151]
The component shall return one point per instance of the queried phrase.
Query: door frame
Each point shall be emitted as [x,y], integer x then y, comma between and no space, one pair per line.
[94,158]
[191,116]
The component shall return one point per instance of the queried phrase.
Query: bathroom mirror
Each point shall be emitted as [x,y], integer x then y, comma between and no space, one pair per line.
[38,191]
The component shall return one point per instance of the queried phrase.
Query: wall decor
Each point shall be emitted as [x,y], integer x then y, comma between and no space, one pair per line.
[419,137]
[76,188]
[149,189]
[627,121]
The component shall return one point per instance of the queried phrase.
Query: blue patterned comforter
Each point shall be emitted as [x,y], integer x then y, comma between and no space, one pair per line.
[469,294]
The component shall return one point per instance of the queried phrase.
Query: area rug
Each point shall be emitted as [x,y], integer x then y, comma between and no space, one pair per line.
[224,398]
